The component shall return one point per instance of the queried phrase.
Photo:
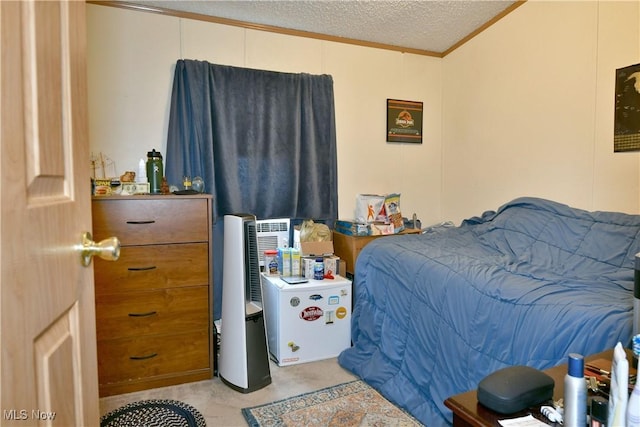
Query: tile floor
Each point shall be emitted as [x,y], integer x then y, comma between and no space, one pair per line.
[220,405]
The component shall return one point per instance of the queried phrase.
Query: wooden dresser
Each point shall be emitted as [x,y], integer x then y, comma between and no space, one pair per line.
[153,305]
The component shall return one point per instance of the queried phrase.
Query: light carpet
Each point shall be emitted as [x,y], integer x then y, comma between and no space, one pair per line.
[351,404]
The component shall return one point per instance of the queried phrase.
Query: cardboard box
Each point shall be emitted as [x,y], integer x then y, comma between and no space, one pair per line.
[332,263]
[307,266]
[295,262]
[102,187]
[312,250]
[342,270]
[316,248]
[352,228]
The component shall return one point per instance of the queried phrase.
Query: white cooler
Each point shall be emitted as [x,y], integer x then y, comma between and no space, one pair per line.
[307,321]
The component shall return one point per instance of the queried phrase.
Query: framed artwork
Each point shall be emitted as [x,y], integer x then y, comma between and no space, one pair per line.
[626,132]
[404,121]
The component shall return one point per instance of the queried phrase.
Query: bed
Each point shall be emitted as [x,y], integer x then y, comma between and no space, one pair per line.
[526,284]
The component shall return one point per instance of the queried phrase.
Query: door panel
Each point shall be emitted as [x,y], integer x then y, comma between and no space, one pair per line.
[47,312]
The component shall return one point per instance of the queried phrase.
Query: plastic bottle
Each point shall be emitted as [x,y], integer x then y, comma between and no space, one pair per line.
[142,172]
[619,389]
[271,262]
[318,269]
[154,171]
[633,405]
[575,393]
[599,411]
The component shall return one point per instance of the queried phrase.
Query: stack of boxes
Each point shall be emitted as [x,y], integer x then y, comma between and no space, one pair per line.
[300,262]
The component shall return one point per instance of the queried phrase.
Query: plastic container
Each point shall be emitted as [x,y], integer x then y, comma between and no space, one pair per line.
[599,411]
[318,269]
[155,171]
[575,393]
[271,262]
[142,172]
[633,405]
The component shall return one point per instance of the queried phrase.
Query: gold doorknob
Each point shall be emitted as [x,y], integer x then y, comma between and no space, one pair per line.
[108,249]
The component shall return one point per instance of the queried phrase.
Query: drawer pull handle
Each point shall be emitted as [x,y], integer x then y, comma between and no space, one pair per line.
[150,356]
[151,221]
[141,268]
[150,313]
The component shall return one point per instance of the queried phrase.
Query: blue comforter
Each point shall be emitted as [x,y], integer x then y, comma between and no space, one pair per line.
[525,285]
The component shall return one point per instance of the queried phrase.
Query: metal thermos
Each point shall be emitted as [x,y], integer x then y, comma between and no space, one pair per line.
[154,171]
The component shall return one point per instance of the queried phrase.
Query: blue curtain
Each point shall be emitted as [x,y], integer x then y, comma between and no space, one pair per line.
[264,142]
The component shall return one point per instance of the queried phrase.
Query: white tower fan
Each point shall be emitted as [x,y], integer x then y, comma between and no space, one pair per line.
[244,357]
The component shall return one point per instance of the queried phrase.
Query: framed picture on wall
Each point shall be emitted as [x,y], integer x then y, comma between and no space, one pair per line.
[626,133]
[404,121]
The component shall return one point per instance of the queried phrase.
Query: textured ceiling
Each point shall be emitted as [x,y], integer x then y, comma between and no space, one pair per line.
[427,25]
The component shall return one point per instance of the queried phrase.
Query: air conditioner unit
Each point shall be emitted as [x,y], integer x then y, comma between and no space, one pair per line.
[244,357]
[272,234]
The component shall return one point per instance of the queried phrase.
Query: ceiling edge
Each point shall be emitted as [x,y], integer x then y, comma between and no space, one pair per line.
[300,33]
[479,30]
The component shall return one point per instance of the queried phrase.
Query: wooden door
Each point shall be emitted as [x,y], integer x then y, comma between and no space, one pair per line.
[47,312]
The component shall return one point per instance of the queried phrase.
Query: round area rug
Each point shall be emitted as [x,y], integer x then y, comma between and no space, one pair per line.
[152,413]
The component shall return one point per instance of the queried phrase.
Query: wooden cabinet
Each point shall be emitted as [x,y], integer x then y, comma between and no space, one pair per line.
[153,305]
[468,412]
[348,247]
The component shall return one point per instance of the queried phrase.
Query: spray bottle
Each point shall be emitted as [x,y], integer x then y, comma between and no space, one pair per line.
[575,393]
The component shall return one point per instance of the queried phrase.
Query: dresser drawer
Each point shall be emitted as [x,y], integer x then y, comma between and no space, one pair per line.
[153,267]
[133,358]
[151,221]
[152,312]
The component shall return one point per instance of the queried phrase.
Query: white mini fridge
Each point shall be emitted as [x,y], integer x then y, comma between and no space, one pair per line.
[306,321]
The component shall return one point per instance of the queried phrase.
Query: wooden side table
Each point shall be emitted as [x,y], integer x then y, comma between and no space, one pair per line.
[348,247]
[468,412]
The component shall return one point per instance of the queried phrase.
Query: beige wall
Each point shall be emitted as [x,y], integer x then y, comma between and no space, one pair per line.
[525,108]
[130,69]
[528,109]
